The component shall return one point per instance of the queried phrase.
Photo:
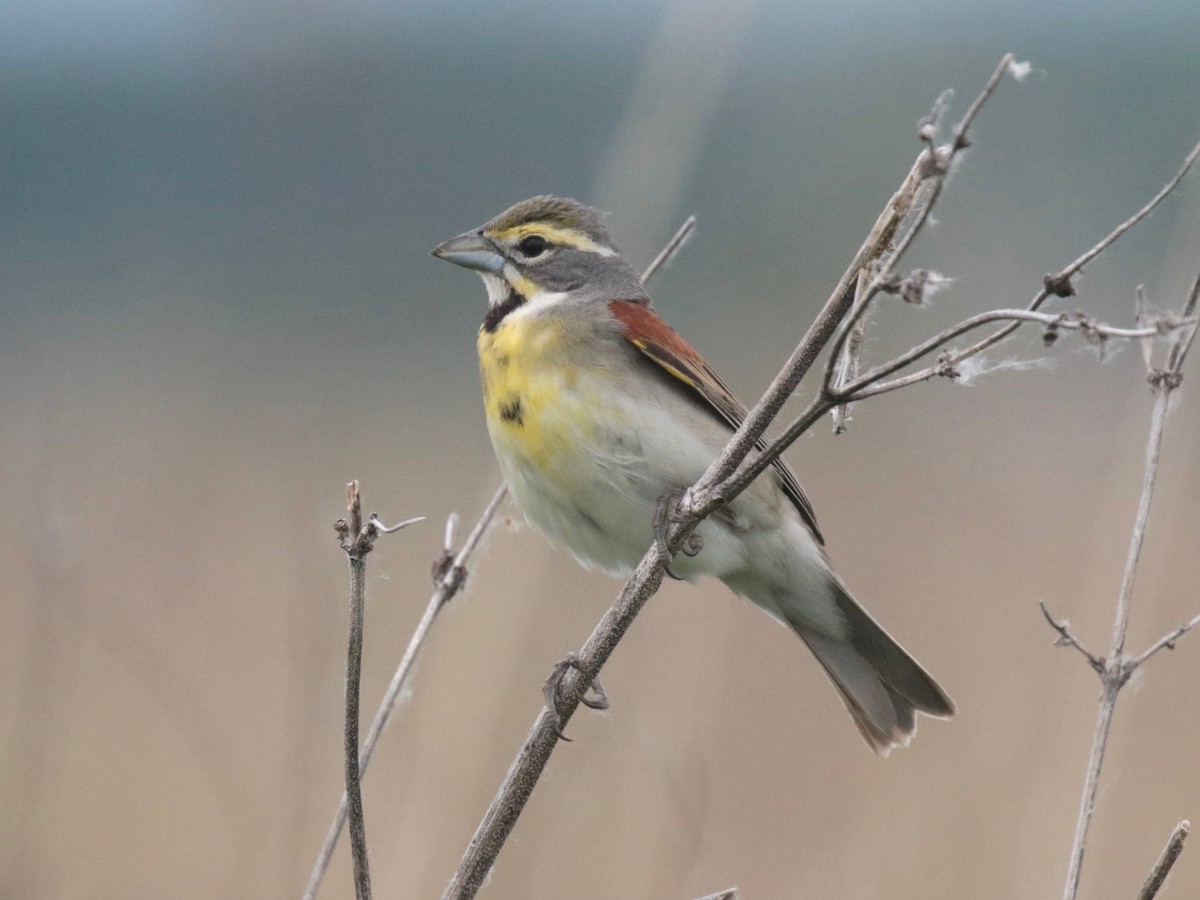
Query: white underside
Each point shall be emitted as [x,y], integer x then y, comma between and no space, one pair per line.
[600,505]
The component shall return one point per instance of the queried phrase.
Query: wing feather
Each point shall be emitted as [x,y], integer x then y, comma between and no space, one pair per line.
[657,341]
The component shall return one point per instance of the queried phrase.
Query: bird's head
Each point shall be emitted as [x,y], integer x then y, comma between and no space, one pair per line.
[545,251]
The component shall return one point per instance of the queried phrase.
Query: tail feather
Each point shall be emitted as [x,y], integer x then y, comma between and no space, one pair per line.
[882,686]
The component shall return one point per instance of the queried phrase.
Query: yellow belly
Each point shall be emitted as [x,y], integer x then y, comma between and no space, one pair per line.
[540,411]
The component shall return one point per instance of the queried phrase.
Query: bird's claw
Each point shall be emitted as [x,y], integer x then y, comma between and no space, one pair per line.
[441,566]
[554,681]
[664,515]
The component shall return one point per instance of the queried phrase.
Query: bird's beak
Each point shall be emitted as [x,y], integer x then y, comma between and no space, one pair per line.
[471,251]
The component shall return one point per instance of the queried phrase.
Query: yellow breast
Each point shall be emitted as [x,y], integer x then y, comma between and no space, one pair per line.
[539,401]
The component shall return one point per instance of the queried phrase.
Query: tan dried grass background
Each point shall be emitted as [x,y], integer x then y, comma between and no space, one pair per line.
[172,630]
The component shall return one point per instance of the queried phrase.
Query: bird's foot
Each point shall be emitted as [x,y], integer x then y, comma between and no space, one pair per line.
[554,681]
[666,513]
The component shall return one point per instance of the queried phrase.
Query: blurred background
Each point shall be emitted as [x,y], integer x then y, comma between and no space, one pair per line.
[219,306]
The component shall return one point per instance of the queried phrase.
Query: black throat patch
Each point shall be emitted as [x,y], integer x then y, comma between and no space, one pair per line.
[497,314]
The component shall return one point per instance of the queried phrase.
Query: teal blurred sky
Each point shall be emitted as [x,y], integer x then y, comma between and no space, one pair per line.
[217,305]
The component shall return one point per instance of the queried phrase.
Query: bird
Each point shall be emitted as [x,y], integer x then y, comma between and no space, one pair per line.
[599,413]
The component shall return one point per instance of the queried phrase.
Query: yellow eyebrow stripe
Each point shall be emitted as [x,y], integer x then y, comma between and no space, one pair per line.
[565,237]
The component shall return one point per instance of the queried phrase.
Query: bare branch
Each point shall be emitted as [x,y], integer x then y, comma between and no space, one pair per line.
[531,759]
[1066,274]
[1167,642]
[861,387]
[850,359]
[384,529]
[667,253]
[961,139]
[1117,667]
[451,580]
[1058,284]
[1179,352]
[356,540]
[1162,868]
[1141,304]
[914,205]
[1153,449]
[1067,639]
[701,499]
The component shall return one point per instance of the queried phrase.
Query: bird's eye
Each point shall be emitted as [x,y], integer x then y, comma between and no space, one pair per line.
[534,245]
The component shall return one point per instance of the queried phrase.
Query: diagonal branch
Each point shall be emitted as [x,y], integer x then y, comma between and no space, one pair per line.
[1162,868]
[1067,639]
[1179,352]
[712,490]
[851,358]
[1058,284]
[1073,269]
[667,253]
[700,500]
[1166,642]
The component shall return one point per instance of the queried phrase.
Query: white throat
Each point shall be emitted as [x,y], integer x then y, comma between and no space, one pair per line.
[497,288]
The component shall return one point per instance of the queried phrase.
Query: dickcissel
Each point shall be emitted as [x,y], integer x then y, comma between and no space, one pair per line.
[597,410]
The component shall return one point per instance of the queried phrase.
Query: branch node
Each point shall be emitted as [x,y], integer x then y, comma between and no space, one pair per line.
[1060,284]
[441,565]
[891,283]
[1165,378]
[947,367]
[937,160]
[446,575]
[935,163]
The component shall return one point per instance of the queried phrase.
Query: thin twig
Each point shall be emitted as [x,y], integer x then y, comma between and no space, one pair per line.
[705,498]
[1111,675]
[450,582]
[1179,352]
[1166,642]
[1162,868]
[1141,305]
[667,253]
[1158,198]
[1058,284]
[860,387]
[852,357]
[1117,667]
[706,495]
[356,540]
[392,529]
[1067,639]
[701,499]
[905,216]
